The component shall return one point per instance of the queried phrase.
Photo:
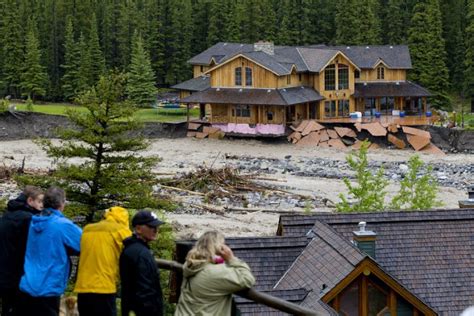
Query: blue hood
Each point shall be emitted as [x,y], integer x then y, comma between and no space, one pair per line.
[40,222]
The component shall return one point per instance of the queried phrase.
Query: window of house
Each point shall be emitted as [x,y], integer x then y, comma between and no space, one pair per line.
[343,108]
[288,79]
[242,111]
[330,77]
[269,116]
[238,76]
[330,108]
[299,77]
[248,76]
[380,72]
[343,74]
[349,301]
[202,69]
[356,74]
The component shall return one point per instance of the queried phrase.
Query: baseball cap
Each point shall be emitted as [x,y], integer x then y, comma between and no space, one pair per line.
[146,218]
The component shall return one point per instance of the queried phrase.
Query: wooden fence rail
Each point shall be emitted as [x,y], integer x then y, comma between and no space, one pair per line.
[251,294]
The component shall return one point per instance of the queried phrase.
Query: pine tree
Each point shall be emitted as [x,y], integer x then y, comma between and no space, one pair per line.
[468,86]
[112,171]
[154,39]
[84,75]
[70,84]
[236,17]
[357,23]
[34,78]
[395,31]
[217,22]
[141,80]
[428,51]
[12,51]
[97,64]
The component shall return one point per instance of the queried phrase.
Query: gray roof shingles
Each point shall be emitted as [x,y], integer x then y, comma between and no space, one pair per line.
[429,252]
[200,83]
[390,89]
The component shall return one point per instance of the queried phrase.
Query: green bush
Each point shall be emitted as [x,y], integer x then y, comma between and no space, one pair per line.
[4,105]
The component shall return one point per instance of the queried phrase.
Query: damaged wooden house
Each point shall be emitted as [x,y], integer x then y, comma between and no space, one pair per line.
[381,263]
[260,89]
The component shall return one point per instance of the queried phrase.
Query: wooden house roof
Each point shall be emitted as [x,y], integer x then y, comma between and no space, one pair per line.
[429,252]
[283,97]
[196,84]
[307,58]
[390,89]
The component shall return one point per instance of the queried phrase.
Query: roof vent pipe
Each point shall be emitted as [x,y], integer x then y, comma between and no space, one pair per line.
[365,239]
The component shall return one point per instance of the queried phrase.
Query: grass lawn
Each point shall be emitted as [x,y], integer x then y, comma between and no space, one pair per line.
[143,115]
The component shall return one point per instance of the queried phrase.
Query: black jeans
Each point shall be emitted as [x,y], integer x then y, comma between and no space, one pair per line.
[38,306]
[7,303]
[92,304]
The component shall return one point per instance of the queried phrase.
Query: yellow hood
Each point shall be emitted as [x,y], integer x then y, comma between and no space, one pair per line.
[117,214]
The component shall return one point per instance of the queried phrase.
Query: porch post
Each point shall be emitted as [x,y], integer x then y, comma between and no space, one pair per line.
[187,113]
[424,105]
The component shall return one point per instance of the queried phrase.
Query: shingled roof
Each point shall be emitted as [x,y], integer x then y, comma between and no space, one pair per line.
[307,58]
[389,89]
[200,83]
[429,252]
[286,96]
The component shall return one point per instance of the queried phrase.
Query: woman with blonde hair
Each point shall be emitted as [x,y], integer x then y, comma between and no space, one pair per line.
[211,274]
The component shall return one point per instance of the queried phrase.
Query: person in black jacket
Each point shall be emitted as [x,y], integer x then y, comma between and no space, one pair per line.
[140,278]
[14,226]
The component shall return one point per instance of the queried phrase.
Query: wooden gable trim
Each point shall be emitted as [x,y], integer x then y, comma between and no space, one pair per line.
[246,57]
[369,265]
[333,57]
[380,61]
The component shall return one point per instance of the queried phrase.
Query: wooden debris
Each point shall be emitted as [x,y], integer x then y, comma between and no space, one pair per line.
[191,134]
[400,144]
[217,135]
[194,126]
[343,131]
[201,135]
[375,129]
[432,149]
[302,126]
[416,131]
[311,140]
[351,134]
[418,142]
[312,126]
[337,143]
[324,136]
[210,130]
[374,146]
[358,126]
[323,144]
[347,141]
[294,137]
[332,133]
[357,145]
[392,128]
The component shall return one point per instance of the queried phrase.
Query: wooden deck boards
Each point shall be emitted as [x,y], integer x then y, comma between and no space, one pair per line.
[385,120]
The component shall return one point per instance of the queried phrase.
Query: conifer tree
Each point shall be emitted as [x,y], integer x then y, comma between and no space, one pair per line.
[97,62]
[111,172]
[236,19]
[84,76]
[141,80]
[357,23]
[394,32]
[12,51]
[70,79]
[217,22]
[34,78]
[468,86]
[155,40]
[428,51]
[201,22]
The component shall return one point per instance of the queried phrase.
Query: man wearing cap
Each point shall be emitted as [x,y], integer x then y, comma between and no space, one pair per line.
[141,290]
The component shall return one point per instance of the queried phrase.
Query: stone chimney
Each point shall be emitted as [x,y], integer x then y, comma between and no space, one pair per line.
[263,46]
[365,240]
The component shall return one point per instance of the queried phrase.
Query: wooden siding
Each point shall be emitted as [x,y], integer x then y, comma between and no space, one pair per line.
[222,113]
[389,75]
[225,76]
[199,70]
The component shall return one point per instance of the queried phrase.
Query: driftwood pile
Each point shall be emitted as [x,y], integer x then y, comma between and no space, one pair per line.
[201,131]
[311,133]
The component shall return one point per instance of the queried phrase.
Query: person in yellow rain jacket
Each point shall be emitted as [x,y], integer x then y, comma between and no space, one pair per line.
[98,272]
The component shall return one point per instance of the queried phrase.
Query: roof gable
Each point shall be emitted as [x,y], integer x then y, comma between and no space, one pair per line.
[318,59]
[395,57]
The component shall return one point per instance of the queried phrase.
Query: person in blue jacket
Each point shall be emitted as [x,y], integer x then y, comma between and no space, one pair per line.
[51,239]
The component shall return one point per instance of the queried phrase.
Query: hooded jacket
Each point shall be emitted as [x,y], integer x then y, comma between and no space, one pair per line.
[101,245]
[50,238]
[13,235]
[207,287]
[140,277]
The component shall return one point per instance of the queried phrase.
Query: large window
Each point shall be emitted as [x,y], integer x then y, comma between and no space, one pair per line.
[248,76]
[238,76]
[343,108]
[380,72]
[356,74]
[330,108]
[343,74]
[387,105]
[242,111]
[330,78]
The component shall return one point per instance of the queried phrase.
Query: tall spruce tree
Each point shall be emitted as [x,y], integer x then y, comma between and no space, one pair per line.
[357,23]
[141,79]
[97,61]
[84,75]
[428,51]
[112,171]
[70,80]
[34,78]
[154,40]
[12,51]
[468,86]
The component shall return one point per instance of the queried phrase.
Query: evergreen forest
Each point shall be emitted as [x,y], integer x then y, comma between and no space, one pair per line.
[54,49]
